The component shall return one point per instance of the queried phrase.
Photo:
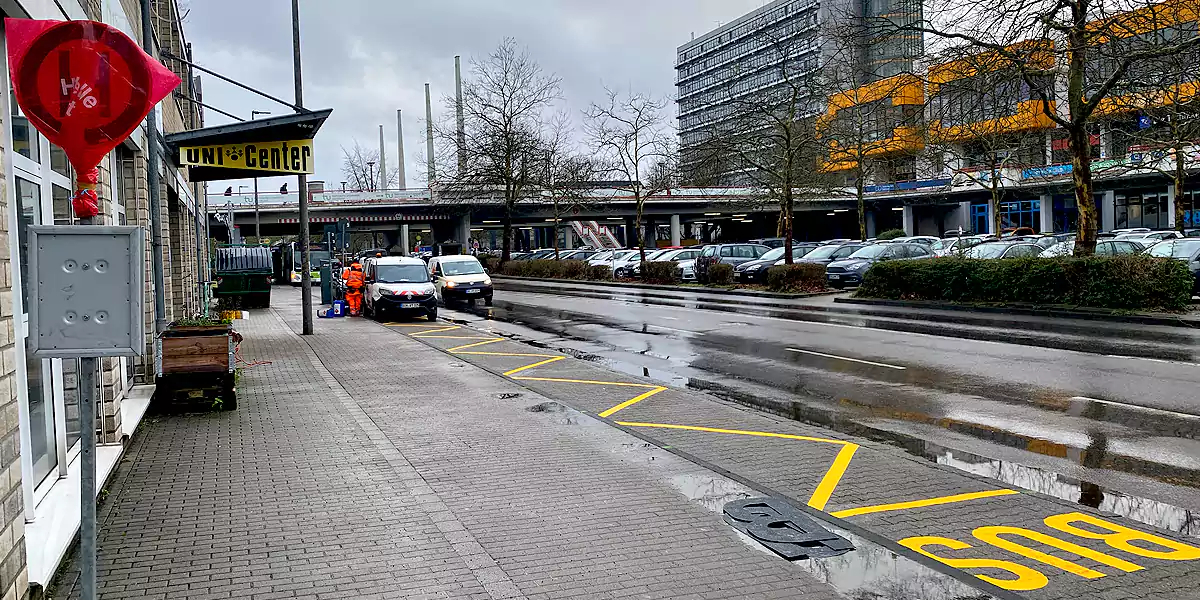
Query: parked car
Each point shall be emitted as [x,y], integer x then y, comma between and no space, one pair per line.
[850,271]
[583,254]
[460,278]
[956,245]
[1153,235]
[540,254]
[1016,231]
[836,242]
[624,267]
[774,242]
[755,271]
[927,240]
[1186,250]
[398,285]
[610,259]
[728,254]
[824,255]
[679,255]
[1191,233]
[1005,249]
[687,270]
[1103,248]
[1047,241]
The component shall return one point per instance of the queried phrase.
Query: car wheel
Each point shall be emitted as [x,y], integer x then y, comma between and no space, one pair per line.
[487,301]
[433,315]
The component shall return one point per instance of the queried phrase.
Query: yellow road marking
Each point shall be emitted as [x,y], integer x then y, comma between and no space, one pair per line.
[409,325]
[536,364]
[632,401]
[441,330]
[829,481]
[458,349]
[833,476]
[866,510]
[587,381]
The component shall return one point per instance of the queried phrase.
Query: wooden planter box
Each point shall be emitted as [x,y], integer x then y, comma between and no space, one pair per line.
[197,360]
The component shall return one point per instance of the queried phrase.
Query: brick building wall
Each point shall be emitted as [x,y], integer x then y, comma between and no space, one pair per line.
[14,580]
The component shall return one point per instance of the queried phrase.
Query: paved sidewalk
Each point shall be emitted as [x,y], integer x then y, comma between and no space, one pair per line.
[363,464]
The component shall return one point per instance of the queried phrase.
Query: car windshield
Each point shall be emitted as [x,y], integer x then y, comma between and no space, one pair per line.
[603,255]
[1184,248]
[987,251]
[774,254]
[822,252]
[462,267]
[401,274]
[1131,236]
[656,254]
[870,251]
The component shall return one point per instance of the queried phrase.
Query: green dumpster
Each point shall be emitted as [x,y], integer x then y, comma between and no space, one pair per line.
[243,275]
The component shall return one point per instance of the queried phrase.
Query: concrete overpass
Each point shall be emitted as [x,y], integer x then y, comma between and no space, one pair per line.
[676,216]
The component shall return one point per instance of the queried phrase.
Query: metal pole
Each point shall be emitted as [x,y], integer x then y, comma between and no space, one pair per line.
[400,148]
[458,108]
[432,170]
[160,291]
[87,479]
[302,180]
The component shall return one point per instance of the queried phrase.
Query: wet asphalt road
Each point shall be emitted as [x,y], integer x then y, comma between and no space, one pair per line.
[1082,426]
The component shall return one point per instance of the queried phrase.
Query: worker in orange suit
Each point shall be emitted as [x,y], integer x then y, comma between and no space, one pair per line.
[355,280]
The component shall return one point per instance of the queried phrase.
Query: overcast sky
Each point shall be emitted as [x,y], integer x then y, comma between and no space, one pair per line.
[367,58]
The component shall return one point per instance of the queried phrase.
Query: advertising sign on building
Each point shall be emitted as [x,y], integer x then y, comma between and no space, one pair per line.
[285,158]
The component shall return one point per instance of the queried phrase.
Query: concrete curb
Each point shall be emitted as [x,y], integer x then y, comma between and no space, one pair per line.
[1036,311]
[676,288]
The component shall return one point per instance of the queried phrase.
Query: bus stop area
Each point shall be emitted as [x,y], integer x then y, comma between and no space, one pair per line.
[433,460]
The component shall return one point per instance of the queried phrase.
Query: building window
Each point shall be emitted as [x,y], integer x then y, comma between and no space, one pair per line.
[1190,202]
[26,140]
[1142,209]
[979,218]
[1021,213]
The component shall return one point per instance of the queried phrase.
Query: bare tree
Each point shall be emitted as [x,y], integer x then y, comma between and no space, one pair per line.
[984,120]
[569,175]
[507,128]
[871,126]
[1096,43]
[360,168]
[630,135]
[772,141]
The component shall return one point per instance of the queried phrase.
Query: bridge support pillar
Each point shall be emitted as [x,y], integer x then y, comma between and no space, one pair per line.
[676,238]
[405,244]
[568,238]
[909,221]
[464,232]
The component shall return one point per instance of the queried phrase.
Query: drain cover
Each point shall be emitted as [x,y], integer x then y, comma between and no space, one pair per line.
[508,395]
[546,407]
[785,530]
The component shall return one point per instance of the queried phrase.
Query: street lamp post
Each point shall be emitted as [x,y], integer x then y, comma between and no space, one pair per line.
[257,222]
[371,172]
[302,181]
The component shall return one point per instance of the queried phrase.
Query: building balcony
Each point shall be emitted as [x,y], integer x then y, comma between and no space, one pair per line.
[1029,116]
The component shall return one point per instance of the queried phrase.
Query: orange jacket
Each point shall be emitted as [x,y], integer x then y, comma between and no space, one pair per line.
[355,280]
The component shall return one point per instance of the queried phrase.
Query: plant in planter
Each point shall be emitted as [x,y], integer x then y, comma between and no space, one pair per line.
[195,357]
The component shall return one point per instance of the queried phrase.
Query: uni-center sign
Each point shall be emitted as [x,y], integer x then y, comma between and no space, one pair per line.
[289,158]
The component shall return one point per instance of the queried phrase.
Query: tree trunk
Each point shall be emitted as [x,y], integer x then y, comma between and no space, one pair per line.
[1081,174]
[1079,144]
[788,233]
[861,205]
[506,245]
[997,195]
[641,232]
[1180,173]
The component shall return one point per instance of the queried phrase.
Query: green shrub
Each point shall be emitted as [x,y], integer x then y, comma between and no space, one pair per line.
[664,273]
[891,234]
[799,277]
[1119,282]
[599,273]
[572,269]
[720,274]
[491,263]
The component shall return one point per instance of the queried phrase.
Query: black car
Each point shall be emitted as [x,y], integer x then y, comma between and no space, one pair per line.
[729,254]
[832,252]
[755,271]
[1186,250]
[850,271]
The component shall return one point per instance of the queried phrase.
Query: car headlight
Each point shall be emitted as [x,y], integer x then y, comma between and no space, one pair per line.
[487,281]
[429,290]
[862,266]
[451,284]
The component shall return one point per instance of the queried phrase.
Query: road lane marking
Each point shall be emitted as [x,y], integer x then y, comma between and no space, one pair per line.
[631,402]
[857,360]
[536,364]
[866,510]
[586,381]
[833,476]
[829,481]
[458,349]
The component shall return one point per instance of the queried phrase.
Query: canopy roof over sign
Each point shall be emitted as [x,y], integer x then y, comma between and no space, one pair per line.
[299,126]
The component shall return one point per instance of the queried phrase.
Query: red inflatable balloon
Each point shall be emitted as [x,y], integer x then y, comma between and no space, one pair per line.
[85,86]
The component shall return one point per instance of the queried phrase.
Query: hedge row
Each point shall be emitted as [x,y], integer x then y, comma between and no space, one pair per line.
[1119,282]
[661,273]
[556,269]
[797,278]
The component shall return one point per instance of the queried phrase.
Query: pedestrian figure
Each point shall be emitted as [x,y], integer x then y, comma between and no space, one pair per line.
[355,280]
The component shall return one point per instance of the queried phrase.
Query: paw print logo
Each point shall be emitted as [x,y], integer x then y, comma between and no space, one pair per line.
[234,154]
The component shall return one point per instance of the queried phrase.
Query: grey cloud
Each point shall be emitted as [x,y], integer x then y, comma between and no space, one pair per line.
[367,58]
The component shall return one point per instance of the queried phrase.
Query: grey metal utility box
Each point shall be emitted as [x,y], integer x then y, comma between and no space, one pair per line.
[85,290]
